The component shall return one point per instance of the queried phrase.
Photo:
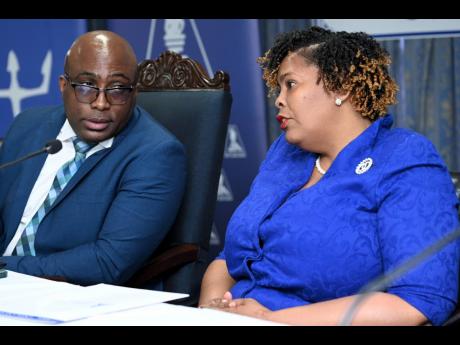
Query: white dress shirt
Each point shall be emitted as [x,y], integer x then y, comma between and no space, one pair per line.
[45,180]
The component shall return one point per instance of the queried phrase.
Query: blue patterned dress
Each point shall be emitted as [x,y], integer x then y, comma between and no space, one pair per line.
[288,247]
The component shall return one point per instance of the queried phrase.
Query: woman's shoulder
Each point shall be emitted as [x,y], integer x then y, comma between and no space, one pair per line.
[411,159]
[408,145]
[400,135]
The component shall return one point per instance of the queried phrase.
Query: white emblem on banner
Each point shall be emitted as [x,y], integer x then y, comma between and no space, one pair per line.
[174,37]
[224,192]
[234,146]
[215,238]
[455,181]
[16,93]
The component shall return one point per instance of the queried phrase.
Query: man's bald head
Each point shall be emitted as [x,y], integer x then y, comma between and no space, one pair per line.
[101,45]
[99,60]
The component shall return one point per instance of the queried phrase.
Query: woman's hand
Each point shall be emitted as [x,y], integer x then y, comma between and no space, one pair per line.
[218,303]
[242,306]
[248,307]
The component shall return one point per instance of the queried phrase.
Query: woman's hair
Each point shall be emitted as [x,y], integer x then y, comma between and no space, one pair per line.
[352,62]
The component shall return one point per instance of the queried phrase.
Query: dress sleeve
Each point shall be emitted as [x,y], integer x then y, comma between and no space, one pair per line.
[417,207]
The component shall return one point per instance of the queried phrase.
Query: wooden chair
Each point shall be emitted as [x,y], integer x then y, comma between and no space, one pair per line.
[179,94]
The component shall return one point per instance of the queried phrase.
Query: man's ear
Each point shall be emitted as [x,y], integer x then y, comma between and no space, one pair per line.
[62,83]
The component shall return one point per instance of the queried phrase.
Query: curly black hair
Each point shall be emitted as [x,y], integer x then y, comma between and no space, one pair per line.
[353,62]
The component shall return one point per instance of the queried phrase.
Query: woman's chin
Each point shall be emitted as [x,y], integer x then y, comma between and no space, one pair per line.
[292,139]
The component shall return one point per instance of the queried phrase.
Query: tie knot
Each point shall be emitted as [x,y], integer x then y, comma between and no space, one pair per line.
[81,146]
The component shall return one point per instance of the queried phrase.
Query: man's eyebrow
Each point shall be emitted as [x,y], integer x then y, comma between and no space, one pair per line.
[95,76]
[120,74]
[86,74]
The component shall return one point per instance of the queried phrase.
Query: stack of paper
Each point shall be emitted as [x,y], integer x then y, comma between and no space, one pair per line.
[46,301]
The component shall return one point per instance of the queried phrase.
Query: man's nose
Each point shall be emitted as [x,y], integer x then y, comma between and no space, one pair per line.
[101,102]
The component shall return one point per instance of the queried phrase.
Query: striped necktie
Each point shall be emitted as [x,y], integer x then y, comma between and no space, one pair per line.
[25,244]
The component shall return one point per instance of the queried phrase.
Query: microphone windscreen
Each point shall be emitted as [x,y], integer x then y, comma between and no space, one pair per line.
[53,146]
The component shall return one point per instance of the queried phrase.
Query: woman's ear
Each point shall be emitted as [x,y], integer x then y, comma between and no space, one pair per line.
[344,95]
[341,97]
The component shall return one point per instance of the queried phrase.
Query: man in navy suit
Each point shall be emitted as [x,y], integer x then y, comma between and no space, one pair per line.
[118,206]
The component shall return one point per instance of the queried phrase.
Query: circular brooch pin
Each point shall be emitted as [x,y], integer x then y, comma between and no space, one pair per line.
[363,166]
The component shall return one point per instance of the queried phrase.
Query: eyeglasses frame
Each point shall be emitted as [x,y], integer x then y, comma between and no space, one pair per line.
[99,89]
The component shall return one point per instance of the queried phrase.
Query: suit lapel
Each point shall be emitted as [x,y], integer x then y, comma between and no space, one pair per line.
[93,160]
[85,168]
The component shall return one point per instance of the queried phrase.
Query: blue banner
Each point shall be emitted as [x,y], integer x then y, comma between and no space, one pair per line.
[232,46]
[31,59]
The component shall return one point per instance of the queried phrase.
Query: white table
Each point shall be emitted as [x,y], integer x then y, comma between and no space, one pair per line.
[16,287]
[164,314]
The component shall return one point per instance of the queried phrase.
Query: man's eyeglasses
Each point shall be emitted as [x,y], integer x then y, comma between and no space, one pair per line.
[88,94]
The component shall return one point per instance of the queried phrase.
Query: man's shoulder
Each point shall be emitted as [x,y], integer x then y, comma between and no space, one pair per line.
[39,113]
[34,118]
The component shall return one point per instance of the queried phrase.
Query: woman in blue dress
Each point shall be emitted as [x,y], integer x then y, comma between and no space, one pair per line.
[340,199]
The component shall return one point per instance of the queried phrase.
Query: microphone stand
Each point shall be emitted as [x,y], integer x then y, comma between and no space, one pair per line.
[30,155]
[51,147]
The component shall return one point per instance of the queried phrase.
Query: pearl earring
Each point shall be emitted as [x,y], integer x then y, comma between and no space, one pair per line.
[338,102]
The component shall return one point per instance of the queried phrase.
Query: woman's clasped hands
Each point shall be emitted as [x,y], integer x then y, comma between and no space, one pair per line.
[242,306]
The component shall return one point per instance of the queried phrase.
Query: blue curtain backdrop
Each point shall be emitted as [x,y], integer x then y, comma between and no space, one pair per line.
[428,73]
[231,45]
[31,60]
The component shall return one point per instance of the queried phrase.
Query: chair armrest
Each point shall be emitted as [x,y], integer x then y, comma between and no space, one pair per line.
[164,262]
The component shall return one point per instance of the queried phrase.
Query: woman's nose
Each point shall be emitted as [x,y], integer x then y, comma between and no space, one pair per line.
[279,102]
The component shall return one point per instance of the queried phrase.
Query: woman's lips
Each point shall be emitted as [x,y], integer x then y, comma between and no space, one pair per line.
[96,124]
[283,121]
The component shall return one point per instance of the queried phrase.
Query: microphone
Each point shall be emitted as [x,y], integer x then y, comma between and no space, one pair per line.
[381,282]
[50,147]
[53,146]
